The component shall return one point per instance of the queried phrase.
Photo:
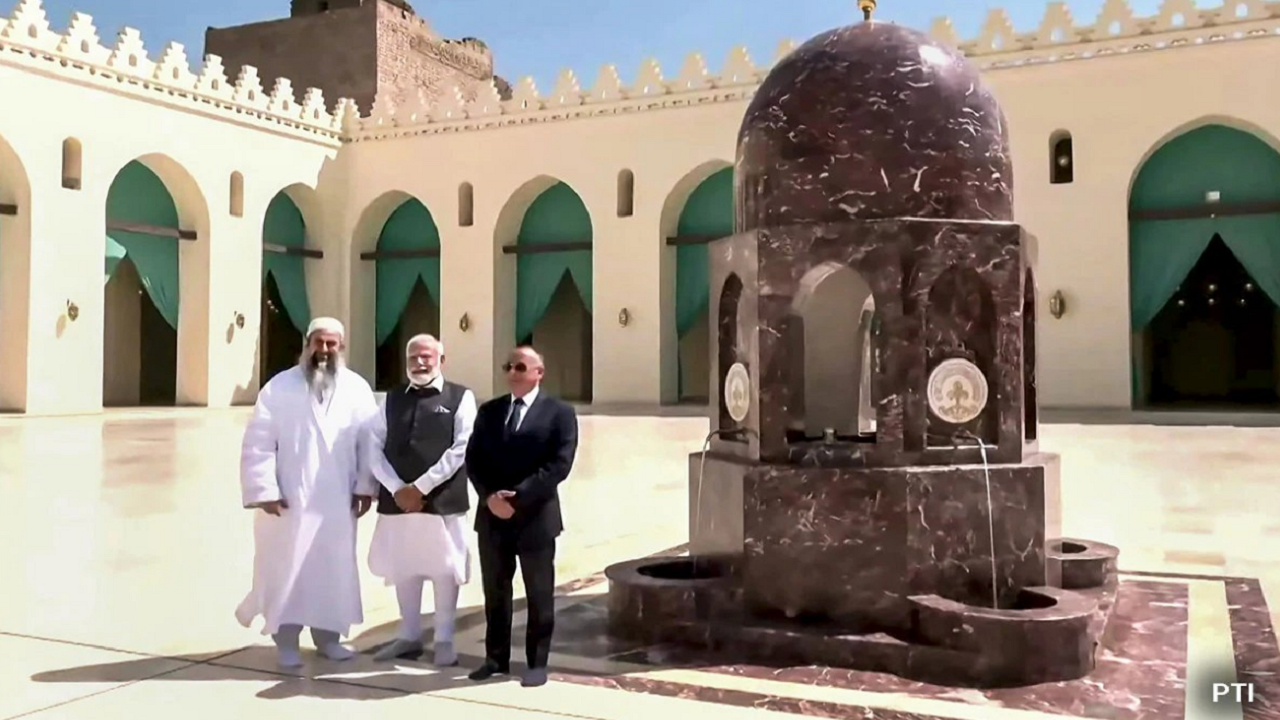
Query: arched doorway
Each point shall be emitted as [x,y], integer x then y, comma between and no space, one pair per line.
[553,289]
[286,310]
[142,289]
[707,216]
[15,264]
[408,287]
[1204,248]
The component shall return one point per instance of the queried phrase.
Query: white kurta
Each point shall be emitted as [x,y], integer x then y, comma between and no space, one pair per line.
[312,456]
[415,546]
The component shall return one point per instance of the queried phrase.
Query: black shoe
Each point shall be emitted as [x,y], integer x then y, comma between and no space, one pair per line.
[534,677]
[486,671]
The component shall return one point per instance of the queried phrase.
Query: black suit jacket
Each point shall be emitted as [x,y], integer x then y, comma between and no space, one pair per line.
[532,462]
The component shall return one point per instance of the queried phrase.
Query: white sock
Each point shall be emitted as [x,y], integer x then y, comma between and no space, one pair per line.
[409,595]
[286,639]
[446,596]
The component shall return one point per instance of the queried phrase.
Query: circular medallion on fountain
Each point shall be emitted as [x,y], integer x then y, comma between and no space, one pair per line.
[737,392]
[957,391]
[868,122]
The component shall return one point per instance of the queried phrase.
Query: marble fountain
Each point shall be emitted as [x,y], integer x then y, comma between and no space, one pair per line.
[872,496]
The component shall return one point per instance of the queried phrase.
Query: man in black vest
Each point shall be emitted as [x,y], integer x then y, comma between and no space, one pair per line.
[418,445]
[522,448]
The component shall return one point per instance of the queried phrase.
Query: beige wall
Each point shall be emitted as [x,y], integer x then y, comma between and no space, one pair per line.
[53,250]
[669,133]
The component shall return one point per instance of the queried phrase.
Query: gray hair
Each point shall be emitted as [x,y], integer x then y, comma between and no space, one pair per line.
[424,339]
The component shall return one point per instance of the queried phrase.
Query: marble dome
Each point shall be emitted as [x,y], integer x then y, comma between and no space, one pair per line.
[868,122]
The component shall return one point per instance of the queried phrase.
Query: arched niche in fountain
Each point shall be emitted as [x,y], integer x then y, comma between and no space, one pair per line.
[1029,399]
[960,323]
[831,342]
[728,351]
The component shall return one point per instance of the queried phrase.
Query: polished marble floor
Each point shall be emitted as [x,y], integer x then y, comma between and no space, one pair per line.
[125,551]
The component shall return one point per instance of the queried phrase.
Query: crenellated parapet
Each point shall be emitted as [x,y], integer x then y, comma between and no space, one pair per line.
[693,84]
[27,40]
[1059,38]
[1115,30]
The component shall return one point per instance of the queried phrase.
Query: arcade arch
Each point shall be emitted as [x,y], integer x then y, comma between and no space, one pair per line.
[1204,251]
[547,228]
[698,211]
[15,277]
[155,216]
[285,306]
[407,285]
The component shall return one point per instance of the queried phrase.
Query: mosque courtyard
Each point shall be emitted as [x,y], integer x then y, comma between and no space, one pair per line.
[125,552]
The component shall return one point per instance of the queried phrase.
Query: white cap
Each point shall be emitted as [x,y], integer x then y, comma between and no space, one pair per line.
[326,324]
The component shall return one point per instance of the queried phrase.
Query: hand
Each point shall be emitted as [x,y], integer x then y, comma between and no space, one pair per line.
[500,505]
[409,499]
[361,504]
[273,507]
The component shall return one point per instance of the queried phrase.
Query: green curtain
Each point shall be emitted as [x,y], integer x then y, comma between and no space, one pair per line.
[1161,254]
[1255,241]
[115,253]
[410,227]
[138,196]
[708,211]
[558,215]
[284,225]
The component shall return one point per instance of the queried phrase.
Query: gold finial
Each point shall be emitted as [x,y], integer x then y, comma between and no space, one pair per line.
[867,7]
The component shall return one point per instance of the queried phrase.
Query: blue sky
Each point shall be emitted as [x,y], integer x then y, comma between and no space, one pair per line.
[539,37]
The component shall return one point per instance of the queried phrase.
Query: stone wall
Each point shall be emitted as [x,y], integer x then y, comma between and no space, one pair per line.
[335,51]
[411,57]
[356,49]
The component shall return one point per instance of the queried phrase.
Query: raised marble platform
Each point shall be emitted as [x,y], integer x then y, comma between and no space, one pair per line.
[1151,664]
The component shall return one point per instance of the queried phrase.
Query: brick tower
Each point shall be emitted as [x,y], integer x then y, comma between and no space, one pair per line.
[355,49]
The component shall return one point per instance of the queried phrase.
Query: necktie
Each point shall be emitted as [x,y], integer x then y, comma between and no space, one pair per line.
[514,421]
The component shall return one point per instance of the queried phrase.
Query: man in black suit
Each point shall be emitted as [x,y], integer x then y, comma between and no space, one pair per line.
[522,447]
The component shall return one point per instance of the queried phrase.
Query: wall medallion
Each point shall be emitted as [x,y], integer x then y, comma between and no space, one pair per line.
[957,391]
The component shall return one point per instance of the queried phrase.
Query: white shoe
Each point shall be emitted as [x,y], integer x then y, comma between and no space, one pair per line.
[398,649]
[336,651]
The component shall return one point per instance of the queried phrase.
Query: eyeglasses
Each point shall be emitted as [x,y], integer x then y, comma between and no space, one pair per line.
[518,367]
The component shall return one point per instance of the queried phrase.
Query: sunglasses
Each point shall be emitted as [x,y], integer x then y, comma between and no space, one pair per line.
[518,367]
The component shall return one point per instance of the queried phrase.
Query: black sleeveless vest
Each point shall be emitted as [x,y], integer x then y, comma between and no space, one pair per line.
[419,431]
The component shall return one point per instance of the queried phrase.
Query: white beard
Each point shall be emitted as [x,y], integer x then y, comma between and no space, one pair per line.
[421,379]
[322,376]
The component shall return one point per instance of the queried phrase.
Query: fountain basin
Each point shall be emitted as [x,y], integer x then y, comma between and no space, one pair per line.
[1038,634]
[1082,563]
[661,599]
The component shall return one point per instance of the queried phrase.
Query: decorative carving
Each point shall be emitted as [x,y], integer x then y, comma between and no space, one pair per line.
[567,93]
[82,42]
[608,87]
[130,56]
[693,75]
[313,109]
[282,101]
[738,69]
[649,81]
[29,27]
[174,67]
[213,79]
[248,90]
[450,105]
[488,101]
[524,97]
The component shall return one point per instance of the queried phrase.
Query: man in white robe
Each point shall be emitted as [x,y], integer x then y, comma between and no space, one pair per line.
[418,446]
[302,466]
